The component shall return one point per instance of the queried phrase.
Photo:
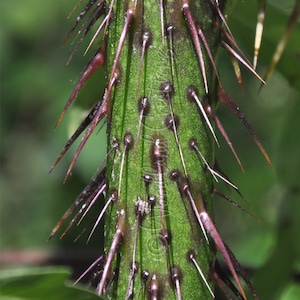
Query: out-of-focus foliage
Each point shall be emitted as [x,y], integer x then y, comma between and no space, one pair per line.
[35,84]
[40,283]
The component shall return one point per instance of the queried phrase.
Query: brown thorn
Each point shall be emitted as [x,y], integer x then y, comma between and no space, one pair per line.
[105,21]
[129,17]
[86,206]
[193,30]
[225,98]
[93,199]
[100,114]
[242,272]
[243,61]
[220,278]
[204,41]
[76,134]
[213,232]
[81,15]
[216,192]
[97,261]
[168,96]
[211,113]
[93,17]
[112,251]
[184,187]
[76,6]
[232,41]
[88,191]
[223,19]
[92,66]
[112,199]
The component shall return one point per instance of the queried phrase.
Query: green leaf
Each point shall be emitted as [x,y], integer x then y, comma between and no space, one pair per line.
[45,283]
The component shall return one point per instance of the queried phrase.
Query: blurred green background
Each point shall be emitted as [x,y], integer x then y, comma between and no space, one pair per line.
[35,84]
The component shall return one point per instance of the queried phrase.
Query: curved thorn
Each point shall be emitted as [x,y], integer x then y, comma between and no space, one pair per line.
[93,65]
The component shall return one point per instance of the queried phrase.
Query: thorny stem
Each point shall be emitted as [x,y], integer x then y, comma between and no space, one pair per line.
[160,107]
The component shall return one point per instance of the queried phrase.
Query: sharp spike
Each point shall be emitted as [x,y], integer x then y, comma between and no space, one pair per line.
[194,146]
[100,114]
[81,15]
[129,17]
[243,61]
[170,30]
[92,201]
[192,95]
[216,192]
[95,263]
[120,228]
[76,6]
[96,14]
[128,144]
[284,39]
[194,33]
[130,288]
[176,278]
[167,92]
[84,207]
[242,272]
[93,65]
[88,119]
[225,98]
[88,191]
[214,234]
[215,3]
[104,22]
[220,278]
[259,30]
[237,72]
[144,109]
[204,41]
[185,190]
[191,258]
[146,42]
[211,113]
[141,209]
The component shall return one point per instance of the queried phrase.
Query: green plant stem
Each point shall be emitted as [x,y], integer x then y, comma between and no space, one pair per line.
[141,72]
